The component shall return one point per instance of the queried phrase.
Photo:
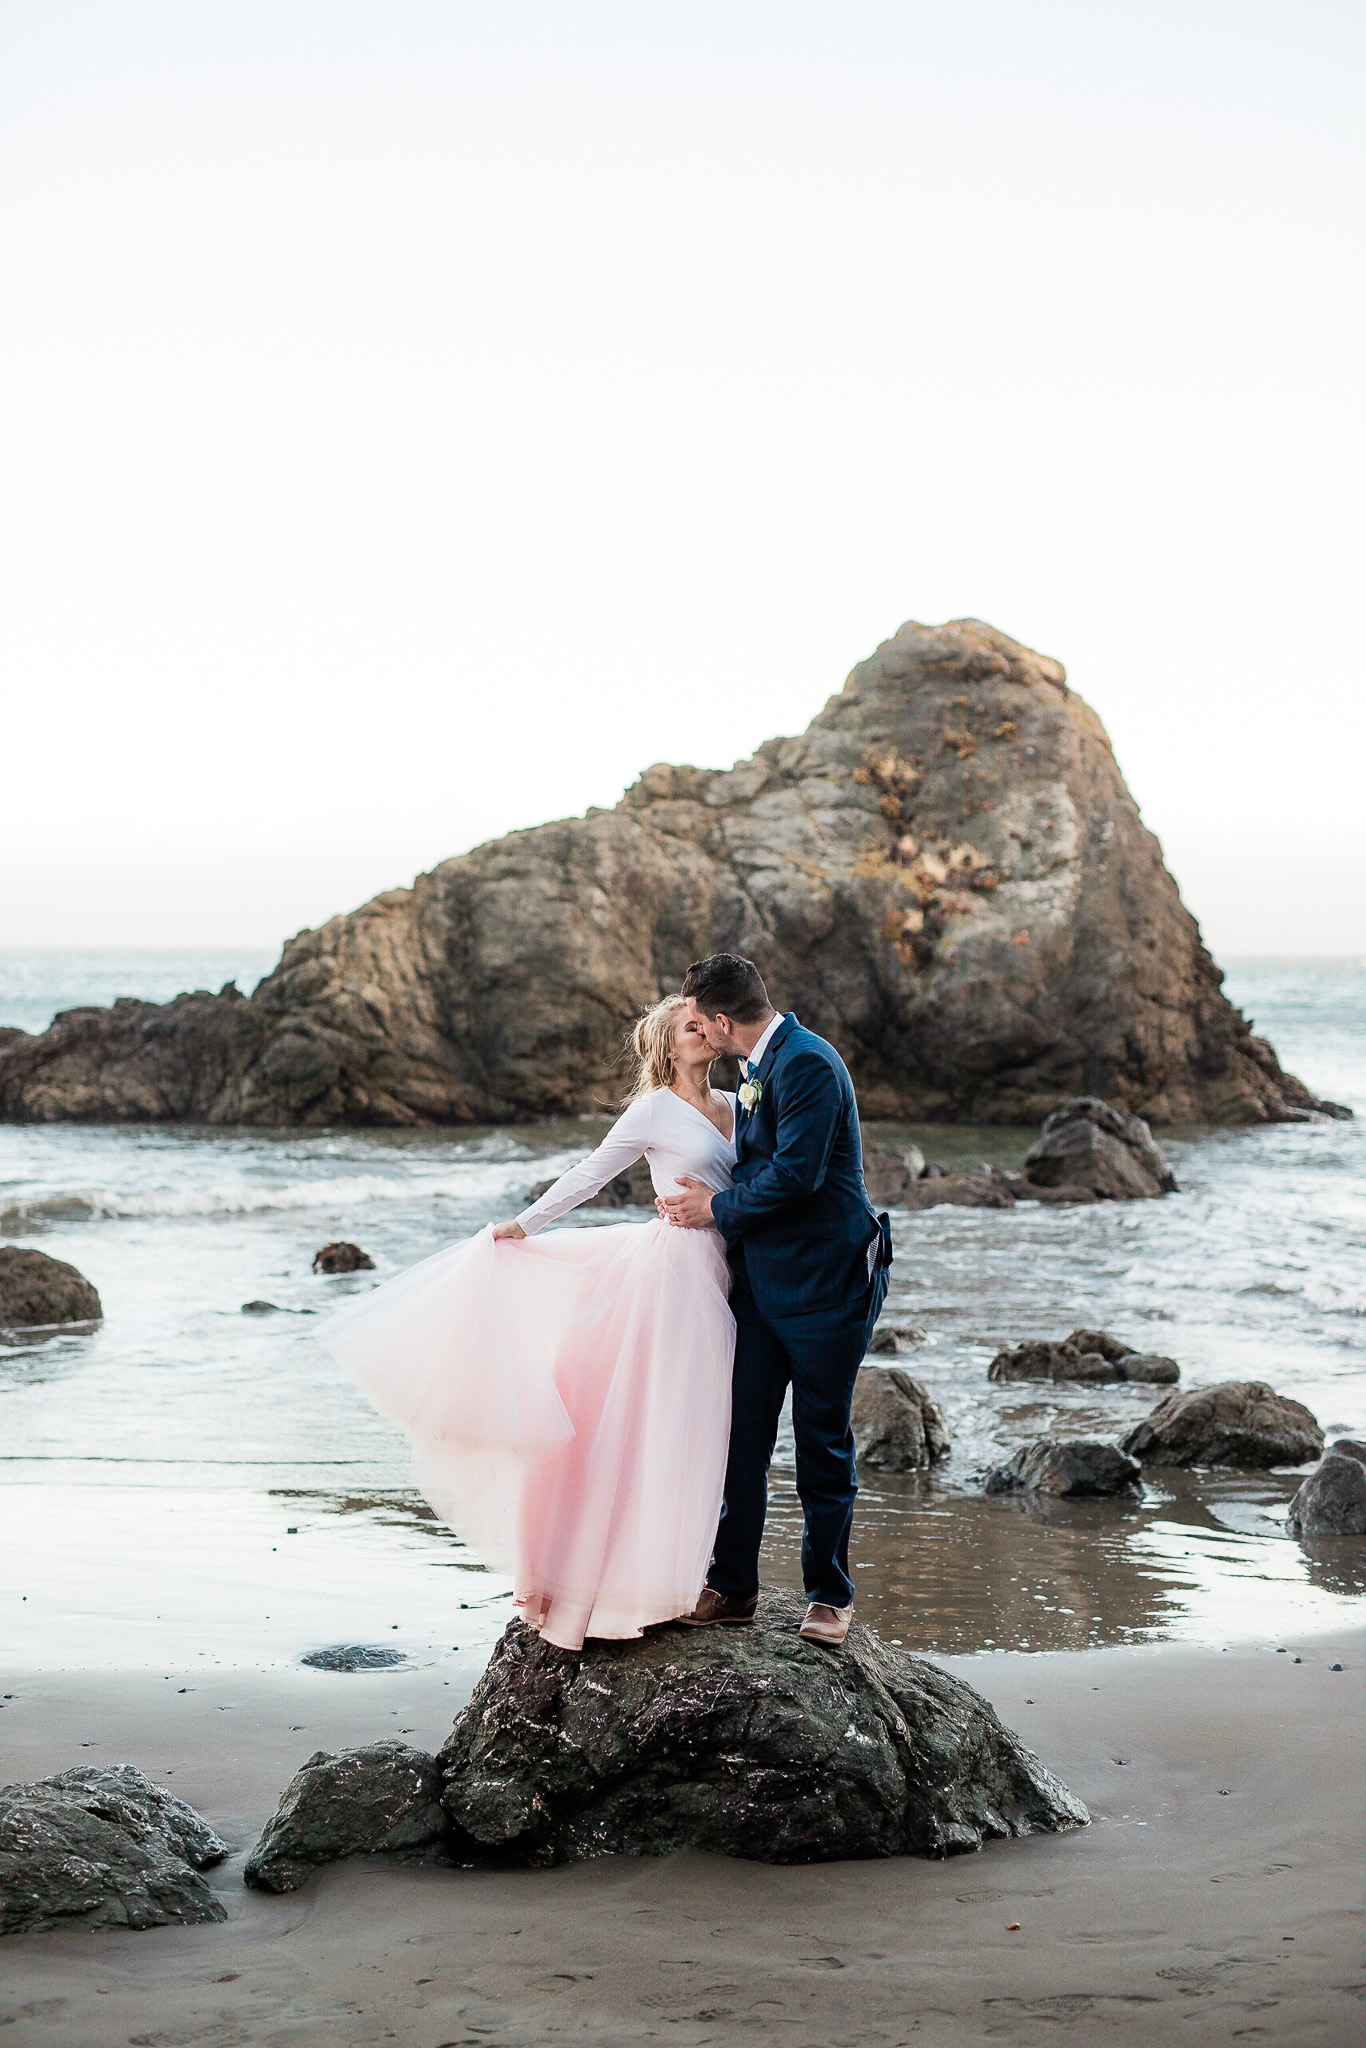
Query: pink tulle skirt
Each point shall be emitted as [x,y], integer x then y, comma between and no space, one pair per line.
[567,1398]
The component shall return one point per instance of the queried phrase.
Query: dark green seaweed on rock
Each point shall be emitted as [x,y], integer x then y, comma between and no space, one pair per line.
[747,1742]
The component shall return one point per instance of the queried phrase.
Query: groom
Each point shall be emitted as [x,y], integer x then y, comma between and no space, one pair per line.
[809,1259]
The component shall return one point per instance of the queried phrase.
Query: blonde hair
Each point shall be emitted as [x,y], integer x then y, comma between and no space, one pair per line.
[651,1044]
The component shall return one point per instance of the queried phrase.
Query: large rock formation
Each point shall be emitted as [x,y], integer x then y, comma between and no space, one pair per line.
[105,1847]
[945,874]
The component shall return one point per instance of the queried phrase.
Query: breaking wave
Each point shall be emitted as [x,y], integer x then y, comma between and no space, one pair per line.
[480,1182]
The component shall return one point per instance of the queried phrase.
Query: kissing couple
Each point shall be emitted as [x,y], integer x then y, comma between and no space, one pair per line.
[596,1409]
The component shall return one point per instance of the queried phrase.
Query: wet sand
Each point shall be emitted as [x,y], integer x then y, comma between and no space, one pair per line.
[1213,1899]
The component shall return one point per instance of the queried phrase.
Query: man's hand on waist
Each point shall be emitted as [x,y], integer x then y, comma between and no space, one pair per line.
[692,1209]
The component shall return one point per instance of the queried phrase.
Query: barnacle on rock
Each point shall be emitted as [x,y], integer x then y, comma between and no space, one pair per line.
[893,774]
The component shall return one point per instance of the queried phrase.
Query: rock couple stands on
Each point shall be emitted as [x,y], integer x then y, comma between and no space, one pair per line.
[945,874]
[746,1742]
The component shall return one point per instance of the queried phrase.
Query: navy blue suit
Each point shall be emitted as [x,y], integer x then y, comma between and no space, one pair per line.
[799,1231]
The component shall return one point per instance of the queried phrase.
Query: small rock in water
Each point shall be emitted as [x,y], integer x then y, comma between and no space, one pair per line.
[1332,1500]
[353,1657]
[897,1427]
[37,1292]
[260,1308]
[104,1846]
[1239,1422]
[888,1170]
[890,1340]
[745,1742]
[1073,1468]
[342,1258]
[957,1190]
[1090,1144]
[383,1800]
[1150,1367]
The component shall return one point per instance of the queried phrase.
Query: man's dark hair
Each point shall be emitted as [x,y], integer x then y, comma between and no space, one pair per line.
[728,986]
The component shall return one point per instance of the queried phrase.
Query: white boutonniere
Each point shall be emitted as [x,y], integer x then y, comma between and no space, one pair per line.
[750,1094]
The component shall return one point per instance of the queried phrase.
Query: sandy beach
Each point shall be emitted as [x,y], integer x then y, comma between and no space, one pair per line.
[1214,1897]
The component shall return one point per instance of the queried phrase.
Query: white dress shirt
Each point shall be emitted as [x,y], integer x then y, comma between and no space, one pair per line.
[751,1065]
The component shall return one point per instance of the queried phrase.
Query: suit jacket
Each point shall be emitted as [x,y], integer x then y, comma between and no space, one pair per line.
[797,1222]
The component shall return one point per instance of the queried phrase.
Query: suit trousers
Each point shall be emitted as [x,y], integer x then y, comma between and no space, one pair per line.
[819,1354]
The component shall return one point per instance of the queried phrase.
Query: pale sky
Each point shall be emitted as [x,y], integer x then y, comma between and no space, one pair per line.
[420,415]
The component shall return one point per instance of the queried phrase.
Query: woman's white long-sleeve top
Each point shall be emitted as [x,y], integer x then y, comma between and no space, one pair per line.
[662,1128]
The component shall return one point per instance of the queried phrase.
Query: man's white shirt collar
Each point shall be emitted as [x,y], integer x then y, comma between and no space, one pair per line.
[761,1043]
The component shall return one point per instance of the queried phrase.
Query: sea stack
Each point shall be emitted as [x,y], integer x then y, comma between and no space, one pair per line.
[945,874]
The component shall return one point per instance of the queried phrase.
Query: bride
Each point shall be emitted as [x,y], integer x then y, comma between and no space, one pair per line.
[567,1396]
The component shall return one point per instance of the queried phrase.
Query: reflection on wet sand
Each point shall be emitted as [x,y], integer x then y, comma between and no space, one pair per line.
[1202,1554]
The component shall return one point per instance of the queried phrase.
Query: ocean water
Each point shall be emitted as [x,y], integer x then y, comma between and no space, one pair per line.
[36,983]
[189,1481]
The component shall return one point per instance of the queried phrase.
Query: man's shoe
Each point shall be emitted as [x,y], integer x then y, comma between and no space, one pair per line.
[721,1610]
[828,1625]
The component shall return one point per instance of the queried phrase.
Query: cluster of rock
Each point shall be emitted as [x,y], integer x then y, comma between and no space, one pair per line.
[1091,1356]
[38,1292]
[1088,1151]
[103,1847]
[945,875]
[1239,1423]
[898,1177]
[745,1742]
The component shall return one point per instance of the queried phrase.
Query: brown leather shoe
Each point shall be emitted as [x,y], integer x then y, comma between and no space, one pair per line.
[828,1625]
[721,1610]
